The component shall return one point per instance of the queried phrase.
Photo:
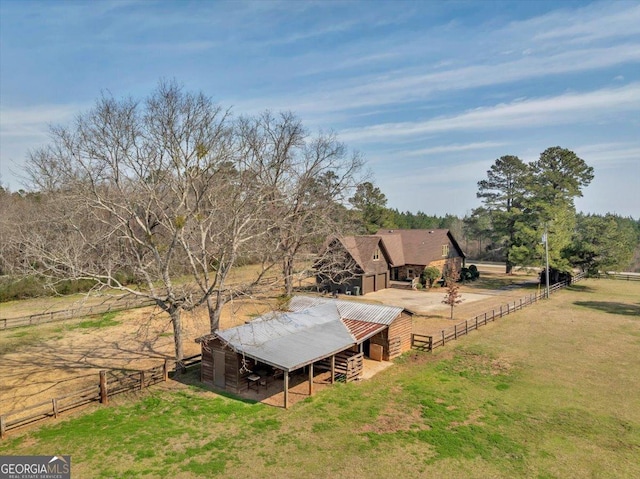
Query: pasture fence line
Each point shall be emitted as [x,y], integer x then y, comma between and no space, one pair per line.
[61,315]
[118,305]
[426,342]
[617,276]
[101,392]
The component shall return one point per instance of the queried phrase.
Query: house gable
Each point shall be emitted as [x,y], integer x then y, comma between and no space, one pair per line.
[369,252]
[421,247]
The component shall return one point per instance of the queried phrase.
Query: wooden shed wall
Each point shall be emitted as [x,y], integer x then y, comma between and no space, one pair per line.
[235,381]
[206,367]
[400,335]
[382,339]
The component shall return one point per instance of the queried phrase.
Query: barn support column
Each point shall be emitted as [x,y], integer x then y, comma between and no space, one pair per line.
[311,379]
[286,389]
[333,369]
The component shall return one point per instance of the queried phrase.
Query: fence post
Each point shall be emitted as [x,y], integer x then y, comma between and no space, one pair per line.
[104,396]
[3,426]
[500,310]
[55,407]
[141,380]
[466,327]
[165,371]
[455,331]
[430,343]
[443,337]
[485,320]
[520,304]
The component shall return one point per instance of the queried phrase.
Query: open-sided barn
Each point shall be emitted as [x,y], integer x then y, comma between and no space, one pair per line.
[328,334]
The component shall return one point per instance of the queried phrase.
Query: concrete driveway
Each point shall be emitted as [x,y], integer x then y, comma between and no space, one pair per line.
[419,302]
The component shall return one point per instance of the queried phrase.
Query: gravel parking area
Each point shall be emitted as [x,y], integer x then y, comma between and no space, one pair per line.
[420,302]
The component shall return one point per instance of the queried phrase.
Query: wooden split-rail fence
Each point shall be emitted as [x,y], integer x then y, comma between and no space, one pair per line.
[53,316]
[426,342]
[106,307]
[619,276]
[100,392]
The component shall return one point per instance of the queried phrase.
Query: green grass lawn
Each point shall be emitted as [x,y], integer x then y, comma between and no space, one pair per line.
[552,391]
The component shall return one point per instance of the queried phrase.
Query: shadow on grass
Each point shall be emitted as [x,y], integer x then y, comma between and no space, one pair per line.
[611,307]
[581,288]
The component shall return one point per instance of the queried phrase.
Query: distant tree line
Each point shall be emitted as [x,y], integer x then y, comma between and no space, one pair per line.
[370,213]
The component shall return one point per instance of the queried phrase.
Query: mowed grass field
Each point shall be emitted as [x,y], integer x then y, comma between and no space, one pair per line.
[552,391]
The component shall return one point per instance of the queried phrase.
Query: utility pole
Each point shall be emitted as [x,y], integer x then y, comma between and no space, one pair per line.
[545,240]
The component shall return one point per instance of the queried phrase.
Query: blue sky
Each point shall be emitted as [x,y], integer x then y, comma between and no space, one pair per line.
[431,93]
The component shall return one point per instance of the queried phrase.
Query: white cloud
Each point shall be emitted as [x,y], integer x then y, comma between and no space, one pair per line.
[603,20]
[403,86]
[452,148]
[35,120]
[567,108]
[611,155]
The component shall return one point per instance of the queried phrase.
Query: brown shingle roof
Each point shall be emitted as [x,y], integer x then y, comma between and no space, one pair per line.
[418,247]
[362,248]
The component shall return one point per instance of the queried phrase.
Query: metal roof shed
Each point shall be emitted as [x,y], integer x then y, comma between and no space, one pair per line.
[291,340]
[314,330]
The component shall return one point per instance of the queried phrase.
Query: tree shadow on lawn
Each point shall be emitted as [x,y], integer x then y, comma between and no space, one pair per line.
[581,288]
[612,307]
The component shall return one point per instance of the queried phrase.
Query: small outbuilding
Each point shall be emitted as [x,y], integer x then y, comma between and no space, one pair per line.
[316,332]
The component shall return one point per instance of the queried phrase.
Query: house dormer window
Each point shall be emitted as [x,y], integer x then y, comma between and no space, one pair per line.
[445,250]
[376,254]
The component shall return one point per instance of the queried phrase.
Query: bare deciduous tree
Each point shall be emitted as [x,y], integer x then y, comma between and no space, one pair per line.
[308,179]
[334,265]
[155,189]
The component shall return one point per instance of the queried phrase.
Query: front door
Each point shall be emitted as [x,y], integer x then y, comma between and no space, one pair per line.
[218,368]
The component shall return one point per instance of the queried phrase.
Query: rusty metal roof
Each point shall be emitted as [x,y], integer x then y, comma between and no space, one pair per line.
[362,330]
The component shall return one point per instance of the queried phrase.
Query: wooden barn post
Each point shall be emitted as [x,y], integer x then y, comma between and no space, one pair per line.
[333,369]
[286,389]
